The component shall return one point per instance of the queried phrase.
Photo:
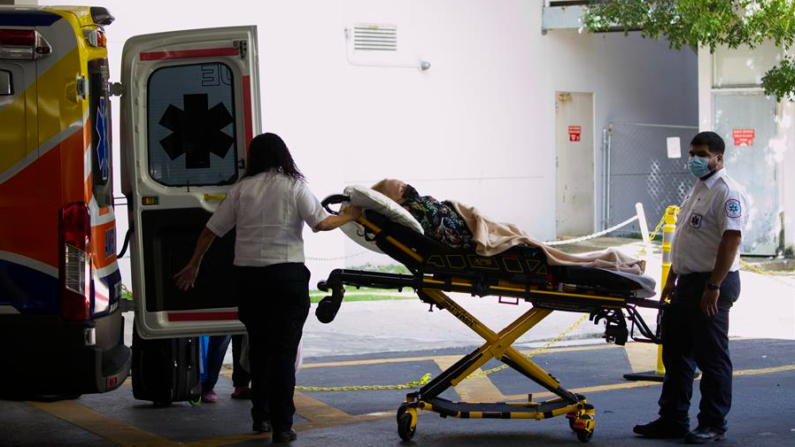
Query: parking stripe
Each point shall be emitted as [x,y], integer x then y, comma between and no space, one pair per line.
[444,357]
[316,411]
[642,383]
[109,428]
[473,389]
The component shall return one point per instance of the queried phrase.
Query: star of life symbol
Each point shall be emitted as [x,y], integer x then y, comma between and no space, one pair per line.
[695,220]
[733,208]
[102,142]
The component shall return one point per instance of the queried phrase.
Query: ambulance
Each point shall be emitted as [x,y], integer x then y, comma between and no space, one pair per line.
[189,106]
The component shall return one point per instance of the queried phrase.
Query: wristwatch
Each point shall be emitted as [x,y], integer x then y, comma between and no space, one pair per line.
[713,286]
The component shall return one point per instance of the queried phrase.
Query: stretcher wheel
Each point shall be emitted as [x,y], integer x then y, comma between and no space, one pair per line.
[584,436]
[404,427]
[195,402]
[401,411]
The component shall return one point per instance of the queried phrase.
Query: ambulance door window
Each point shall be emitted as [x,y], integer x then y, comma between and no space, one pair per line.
[6,89]
[191,125]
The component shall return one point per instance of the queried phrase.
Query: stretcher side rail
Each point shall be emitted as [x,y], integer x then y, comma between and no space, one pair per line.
[611,309]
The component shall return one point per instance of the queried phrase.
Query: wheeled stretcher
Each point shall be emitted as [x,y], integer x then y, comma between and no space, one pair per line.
[520,272]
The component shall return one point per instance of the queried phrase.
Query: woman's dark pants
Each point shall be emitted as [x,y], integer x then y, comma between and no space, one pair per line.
[274,304]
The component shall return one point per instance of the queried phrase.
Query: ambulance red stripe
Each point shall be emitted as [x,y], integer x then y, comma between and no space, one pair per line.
[189,54]
[202,316]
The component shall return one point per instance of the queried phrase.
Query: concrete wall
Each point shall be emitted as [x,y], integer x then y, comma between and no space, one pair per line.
[741,70]
[477,127]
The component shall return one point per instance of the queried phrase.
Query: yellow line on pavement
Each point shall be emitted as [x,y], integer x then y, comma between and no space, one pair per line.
[474,389]
[99,424]
[317,411]
[642,383]
[235,439]
[756,372]
[443,357]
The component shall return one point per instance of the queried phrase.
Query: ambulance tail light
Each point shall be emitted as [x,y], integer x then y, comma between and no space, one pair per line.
[96,38]
[75,262]
[23,44]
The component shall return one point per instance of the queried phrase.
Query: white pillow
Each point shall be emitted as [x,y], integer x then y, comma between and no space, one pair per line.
[370,199]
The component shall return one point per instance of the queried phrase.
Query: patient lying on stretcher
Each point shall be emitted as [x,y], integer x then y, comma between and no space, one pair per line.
[462,227]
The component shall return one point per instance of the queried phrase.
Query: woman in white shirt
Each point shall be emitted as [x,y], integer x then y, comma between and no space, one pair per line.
[268,208]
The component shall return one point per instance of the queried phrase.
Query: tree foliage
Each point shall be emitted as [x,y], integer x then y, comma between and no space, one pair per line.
[707,24]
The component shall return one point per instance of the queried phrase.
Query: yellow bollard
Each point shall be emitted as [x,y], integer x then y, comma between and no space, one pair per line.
[669,228]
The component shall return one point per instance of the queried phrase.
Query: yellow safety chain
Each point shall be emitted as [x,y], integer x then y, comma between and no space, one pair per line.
[425,379]
[533,352]
[756,269]
[653,234]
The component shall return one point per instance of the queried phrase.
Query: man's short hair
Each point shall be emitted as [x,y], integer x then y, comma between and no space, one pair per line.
[711,140]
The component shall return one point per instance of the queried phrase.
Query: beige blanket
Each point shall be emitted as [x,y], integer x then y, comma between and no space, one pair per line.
[493,237]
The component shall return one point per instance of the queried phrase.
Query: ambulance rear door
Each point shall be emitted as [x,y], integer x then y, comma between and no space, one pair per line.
[189,109]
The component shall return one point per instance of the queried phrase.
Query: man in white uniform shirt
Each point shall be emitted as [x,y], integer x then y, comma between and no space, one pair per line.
[702,285]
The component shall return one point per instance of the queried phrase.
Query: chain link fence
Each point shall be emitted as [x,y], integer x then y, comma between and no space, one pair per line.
[637,168]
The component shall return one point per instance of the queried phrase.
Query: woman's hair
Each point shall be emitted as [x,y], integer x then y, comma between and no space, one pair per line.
[267,152]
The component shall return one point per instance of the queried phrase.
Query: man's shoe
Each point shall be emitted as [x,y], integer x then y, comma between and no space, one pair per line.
[285,436]
[241,392]
[705,435]
[261,427]
[661,429]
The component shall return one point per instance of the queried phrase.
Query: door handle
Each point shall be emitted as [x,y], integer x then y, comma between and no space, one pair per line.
[219,197]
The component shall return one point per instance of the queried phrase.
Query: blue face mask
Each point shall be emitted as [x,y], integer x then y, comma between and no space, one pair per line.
[699,166]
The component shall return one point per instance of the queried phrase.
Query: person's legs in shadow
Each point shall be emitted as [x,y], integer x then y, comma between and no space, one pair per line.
[216,351]
[240,377]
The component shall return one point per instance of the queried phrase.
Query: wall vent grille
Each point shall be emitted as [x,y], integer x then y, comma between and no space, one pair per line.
[369,37]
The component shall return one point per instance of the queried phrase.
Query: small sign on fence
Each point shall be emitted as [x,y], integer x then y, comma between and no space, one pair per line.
[674,145]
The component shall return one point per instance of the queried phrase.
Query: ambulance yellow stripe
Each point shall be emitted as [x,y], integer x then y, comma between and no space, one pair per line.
[59,106]
[16,146]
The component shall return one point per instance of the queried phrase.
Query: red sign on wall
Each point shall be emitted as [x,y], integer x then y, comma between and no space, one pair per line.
[574,133]
[743,137]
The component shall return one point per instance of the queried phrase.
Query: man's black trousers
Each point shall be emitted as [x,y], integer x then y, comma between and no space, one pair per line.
[273,304]
[692,339]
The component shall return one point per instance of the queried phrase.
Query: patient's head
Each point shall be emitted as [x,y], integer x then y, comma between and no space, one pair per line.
[391,188]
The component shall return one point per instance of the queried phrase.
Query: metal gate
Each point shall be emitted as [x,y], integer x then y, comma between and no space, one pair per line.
[638,168]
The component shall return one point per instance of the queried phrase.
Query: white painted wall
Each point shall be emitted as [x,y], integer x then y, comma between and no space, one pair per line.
[477,127]
[742,69]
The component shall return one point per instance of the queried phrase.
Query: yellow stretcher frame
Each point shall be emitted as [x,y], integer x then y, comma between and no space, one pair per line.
[498,345]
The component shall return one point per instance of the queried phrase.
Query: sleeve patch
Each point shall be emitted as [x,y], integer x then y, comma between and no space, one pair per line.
[733,208]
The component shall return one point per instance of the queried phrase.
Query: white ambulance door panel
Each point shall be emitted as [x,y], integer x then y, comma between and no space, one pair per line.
[189,109]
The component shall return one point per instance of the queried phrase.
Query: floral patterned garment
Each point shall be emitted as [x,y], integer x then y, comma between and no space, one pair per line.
[439,220]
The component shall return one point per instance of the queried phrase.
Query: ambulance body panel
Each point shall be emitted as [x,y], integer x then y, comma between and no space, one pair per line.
[189,111]
[59,279]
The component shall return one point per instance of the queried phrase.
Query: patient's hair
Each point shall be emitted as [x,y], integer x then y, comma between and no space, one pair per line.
[711,140]
[267,152]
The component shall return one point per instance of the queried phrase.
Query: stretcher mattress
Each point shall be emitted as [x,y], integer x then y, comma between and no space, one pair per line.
[366,198]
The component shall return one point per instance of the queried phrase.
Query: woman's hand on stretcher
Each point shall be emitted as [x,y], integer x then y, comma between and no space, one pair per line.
[348,214]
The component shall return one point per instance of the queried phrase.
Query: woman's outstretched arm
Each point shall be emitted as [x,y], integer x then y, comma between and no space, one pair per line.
[187,276]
